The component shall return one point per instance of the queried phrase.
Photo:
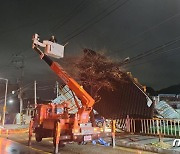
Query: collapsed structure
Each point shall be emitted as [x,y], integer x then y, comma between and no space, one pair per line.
[127,97]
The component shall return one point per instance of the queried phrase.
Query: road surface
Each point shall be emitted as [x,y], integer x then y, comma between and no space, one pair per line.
[11,147]
[46,146]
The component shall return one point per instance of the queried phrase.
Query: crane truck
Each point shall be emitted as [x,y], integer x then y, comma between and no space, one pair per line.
[54,120]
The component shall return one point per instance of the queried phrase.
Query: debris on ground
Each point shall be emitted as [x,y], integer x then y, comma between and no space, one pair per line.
[100,141]
[161,144]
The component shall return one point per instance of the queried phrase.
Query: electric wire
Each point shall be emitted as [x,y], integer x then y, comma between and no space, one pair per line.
[149,29]
[16,91]
[41,89]
[152,51]
[77,7]
[23,88]
[91,23]
[156,58]
[72,14]
[4,66]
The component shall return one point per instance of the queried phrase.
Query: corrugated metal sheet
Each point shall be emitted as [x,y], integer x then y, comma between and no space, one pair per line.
[126,99]
[67,95]
[166,111]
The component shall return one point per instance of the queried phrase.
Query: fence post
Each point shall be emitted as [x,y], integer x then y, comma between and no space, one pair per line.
[127,122]
[154,131]
[167,125]
[142,129]
[157,122]
[171,127]
[113,133]
[160,125]
[150,126]
[175,127]
[144,126]
[131,125]
[178,129]
[158,131]
[164,127]
[134,124]
[147,122]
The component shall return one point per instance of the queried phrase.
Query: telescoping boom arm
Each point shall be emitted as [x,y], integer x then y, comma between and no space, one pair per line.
[86,100]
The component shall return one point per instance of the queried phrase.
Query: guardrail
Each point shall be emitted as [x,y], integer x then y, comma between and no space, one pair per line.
[165,127]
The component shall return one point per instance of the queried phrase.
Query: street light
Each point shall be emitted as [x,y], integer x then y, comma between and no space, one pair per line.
[11,101]
[5,99]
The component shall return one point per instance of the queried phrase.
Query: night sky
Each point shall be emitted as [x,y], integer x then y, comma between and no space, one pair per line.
[123,28]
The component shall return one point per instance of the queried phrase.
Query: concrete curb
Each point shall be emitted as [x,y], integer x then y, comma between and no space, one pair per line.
[13,131]
[147,148]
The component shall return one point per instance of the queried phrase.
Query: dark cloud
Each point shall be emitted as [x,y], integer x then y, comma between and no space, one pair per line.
[134,28]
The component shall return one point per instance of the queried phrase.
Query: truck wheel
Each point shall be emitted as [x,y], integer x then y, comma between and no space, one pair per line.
[82,143]
[61,144]
[38,137]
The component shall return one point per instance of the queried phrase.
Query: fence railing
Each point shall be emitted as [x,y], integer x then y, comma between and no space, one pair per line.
[166,127]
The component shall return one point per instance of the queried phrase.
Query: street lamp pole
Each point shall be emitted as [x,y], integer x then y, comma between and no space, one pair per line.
[5,100]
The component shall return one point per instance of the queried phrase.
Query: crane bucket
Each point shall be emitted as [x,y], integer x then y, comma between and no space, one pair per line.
[53,49]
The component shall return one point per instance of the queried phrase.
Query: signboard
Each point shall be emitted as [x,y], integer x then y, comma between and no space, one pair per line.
[87,138]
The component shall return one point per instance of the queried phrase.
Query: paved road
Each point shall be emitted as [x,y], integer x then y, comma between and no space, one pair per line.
[46,147]
[11,147]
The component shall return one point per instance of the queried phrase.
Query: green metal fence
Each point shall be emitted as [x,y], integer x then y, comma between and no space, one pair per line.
[166,127]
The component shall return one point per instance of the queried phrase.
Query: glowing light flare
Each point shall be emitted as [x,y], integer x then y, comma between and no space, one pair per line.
[10,101]
[1,146]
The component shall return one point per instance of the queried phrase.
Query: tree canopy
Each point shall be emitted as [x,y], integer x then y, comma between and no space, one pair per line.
[96,71]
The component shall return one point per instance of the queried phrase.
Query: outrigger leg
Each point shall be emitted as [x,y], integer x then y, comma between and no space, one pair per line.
[57,136]
[30,132]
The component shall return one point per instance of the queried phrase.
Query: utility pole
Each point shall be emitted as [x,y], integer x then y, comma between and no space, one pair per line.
[35,94]
[5,99]
[18,61]
[21,101]
[20,104]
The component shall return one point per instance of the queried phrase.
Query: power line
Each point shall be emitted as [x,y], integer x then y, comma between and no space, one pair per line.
[41,89]
[82,25]
[151,28]
[45,88]
[28,24]
[23,88]
[153,51]
[156,58]
[4,66]
[19,27]
[7,65]
[72,14]
[88,24]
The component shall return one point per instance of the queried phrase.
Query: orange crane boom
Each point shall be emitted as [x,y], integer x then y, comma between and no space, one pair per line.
[86,100]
